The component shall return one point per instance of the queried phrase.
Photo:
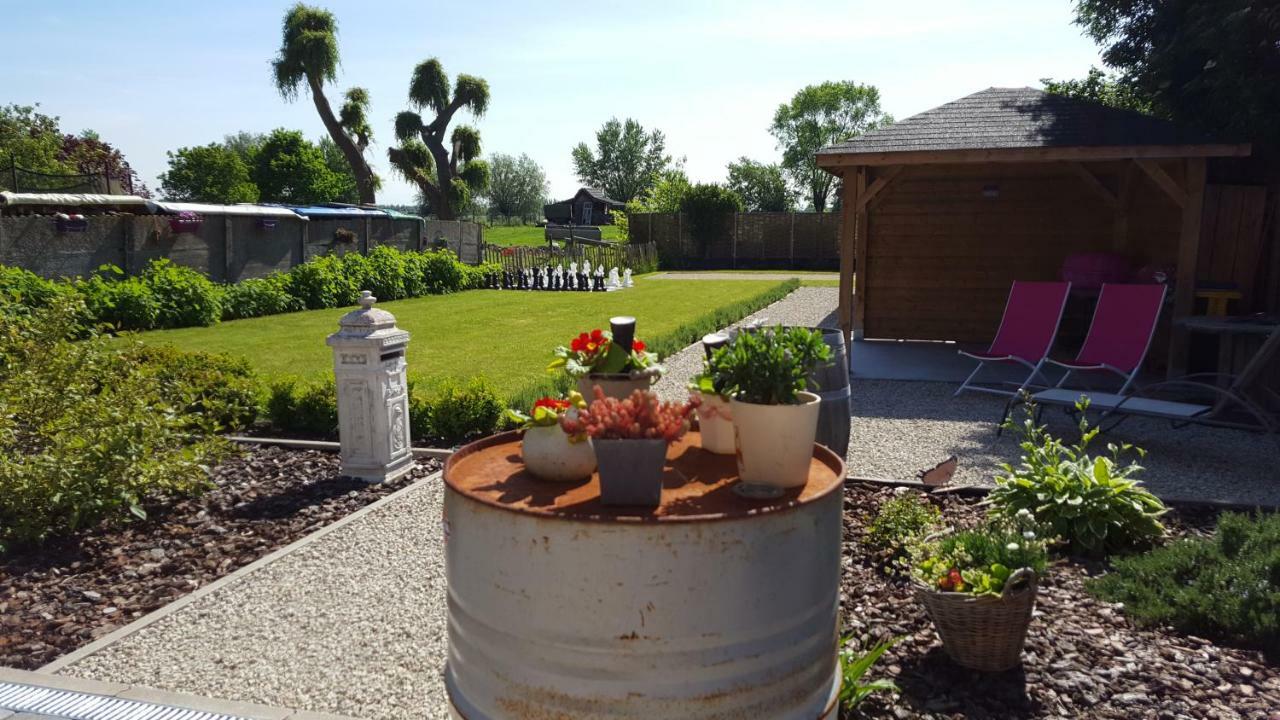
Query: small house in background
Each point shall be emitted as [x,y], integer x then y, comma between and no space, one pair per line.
[590,206]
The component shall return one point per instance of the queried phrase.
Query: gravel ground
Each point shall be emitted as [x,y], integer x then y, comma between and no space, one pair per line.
[900,428]
[353,623]
[744,276]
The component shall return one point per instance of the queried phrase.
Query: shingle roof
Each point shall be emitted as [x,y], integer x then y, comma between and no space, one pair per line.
[598,194]
[1008,118]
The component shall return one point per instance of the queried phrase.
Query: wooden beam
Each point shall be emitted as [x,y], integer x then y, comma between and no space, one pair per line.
[836,159]
[861,240]
[1124,199]
[879,185]
[1184,293]
[1094,182]
[848,201]
[1165,181]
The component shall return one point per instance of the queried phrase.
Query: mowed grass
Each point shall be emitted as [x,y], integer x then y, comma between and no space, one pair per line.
[534,236]
[506,336]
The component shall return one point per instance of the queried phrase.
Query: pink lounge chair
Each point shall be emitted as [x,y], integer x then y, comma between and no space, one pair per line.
[1120,335]
[1030,322]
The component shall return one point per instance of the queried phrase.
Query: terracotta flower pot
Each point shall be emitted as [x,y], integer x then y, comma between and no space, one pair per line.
[631,471]
[619,385]
[549,455]
[715,424]
[775,442]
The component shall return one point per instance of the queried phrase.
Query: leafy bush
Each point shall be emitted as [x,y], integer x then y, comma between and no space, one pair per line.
[258,297]
[356,275]
[86,433]
[768,366]
[442,273]
[28,290]
[309,408]
[386,276]
[1090,502]
[902,519]
[1226,586]
[319,283]
[185,297]
[979,561]
[219,388]
[120,302]
[457,412]
[710,209]
[853,666]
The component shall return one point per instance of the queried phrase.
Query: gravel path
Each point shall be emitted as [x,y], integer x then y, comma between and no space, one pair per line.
[353,623]
[744,276]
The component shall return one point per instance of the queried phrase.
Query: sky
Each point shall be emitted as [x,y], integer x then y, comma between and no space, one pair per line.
[151,77]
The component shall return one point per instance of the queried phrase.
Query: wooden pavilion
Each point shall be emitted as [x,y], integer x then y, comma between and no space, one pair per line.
[942,211]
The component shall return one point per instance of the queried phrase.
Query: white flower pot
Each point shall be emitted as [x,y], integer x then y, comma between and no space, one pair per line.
[549,455]
[715,425]
[618,385]
[775,442]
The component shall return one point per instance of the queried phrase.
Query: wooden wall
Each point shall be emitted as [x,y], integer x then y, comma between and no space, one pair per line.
[946,242]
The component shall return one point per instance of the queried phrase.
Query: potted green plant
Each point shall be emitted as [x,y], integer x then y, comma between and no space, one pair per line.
[547,451]
[630,437]
[775,419]
[614,360]
[979,587]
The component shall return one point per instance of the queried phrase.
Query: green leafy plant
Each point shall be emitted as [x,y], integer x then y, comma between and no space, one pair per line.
[595,352]
[459,411]
[978,561]
[1225,587]
[854,666]
[120,302]
[546,411]
[902,519]
[319,283]
[258,297]
[219,389]
[710,209]
[1090,502]
[184,297]
[309,408]
[769,366]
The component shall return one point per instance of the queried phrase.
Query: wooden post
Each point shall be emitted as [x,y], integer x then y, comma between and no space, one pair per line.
[860,259]
[1188,253]
[848,230]
[368,234]
[1124,198]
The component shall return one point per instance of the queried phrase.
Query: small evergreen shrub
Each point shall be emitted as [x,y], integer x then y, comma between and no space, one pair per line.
[184,297]
[457,412]
[1091,502]
[309,408]
[386,273]
[219,388]
[258,297]
[901,520]
[1225,587]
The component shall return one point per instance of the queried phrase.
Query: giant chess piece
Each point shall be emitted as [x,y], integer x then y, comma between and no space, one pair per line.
[626,278]
[614,281]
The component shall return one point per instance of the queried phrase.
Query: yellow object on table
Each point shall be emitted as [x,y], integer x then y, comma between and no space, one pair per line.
[1218,300]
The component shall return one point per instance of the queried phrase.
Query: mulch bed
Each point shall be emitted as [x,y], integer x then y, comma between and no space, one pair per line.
[62,596]
[1083,658]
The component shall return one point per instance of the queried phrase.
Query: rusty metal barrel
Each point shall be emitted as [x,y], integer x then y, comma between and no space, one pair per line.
[711,605]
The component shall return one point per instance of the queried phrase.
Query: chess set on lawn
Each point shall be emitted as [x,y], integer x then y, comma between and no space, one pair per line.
[578,279]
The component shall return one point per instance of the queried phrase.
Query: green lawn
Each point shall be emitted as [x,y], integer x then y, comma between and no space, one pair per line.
[506,336]
[532,235]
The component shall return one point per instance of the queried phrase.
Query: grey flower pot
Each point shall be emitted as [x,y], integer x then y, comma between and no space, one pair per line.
[631,471]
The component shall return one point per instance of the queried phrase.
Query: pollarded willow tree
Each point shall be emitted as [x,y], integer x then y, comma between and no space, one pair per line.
[446,176]
[309,54]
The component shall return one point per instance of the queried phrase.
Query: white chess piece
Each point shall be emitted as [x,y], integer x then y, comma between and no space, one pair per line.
[614,280]
[626,278]
[573,268]
[586,268]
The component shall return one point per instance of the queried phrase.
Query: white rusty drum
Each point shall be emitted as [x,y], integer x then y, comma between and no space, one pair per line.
[712,606]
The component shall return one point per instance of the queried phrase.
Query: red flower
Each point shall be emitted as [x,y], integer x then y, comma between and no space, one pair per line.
[597,336]
[552,403]
[637,346]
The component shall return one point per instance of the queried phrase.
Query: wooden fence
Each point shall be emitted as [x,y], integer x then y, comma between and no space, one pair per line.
[640,257]
[756,240]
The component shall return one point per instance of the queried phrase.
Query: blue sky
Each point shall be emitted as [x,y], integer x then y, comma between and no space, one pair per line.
[153,76]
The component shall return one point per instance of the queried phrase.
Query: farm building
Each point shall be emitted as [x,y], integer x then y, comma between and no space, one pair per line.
[945,209]
[590,206]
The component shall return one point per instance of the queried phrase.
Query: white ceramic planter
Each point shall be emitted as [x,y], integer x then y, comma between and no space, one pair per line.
[715,424]
[775,442]
[549,455]
[618,385]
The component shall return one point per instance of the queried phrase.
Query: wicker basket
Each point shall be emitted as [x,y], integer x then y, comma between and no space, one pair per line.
[984,632]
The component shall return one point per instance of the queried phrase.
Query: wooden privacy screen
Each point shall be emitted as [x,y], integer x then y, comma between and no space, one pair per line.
[1231,239]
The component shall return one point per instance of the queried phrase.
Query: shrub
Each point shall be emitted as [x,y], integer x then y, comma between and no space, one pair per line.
[319,283]
[474,276]
[86,435]
[356,274]
[258,297]
[28,290]
[1225,587]
[185,297]
[309,408]
[386,273]
[442,272]
[1092,503]
[456,412]
[218,388]
[901,520]
[710,209]
[120,302]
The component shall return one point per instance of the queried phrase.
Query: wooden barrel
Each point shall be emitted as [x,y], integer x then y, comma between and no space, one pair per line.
[831,382]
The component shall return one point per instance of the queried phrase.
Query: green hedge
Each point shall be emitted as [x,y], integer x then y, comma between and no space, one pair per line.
[166,295]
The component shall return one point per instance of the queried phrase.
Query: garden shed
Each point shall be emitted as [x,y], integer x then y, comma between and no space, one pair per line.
[588,206]
[942,211]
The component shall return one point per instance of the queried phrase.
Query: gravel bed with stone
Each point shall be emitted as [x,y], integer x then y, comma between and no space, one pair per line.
[1083,656]
[59,597]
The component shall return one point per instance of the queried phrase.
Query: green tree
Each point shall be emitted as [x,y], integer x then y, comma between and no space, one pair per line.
[818,116]
[1101,87]
[1213,65]
[665,195]
[31,139]
[244,144]
[309,54]
[762,187]
[211,173]
[517,187]
[422,157]
[710,209]
[288,169]
[627,160]
[88,154]
[350,187]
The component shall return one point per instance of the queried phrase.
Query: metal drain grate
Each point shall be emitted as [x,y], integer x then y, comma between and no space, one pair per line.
[70,705]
